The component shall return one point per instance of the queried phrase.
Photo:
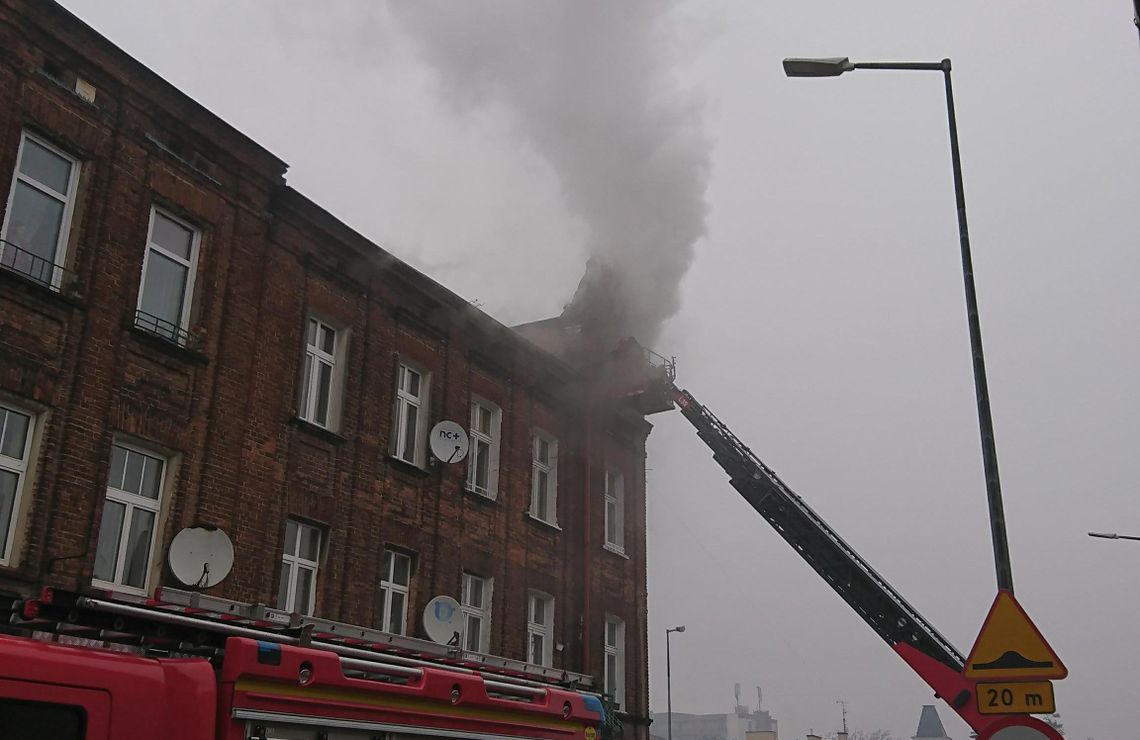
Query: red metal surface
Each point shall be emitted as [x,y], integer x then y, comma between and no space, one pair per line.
[424,702]
[122,695]
[949,685]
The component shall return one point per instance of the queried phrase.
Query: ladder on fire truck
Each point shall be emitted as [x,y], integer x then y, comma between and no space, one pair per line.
[864,590]
[177,623]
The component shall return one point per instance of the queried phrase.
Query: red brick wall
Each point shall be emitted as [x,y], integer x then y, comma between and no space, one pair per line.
[225,412]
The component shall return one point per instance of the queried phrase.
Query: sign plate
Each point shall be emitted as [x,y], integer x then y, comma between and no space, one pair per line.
[1032,697]
[1010,647]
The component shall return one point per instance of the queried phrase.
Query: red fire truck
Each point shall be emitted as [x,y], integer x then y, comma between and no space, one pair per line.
[188,667]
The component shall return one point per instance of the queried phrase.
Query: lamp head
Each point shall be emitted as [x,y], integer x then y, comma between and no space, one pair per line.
[825,67]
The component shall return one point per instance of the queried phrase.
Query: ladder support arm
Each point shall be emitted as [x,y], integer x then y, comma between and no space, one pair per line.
[856,582]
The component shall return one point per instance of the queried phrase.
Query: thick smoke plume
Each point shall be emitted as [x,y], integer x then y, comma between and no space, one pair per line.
[590,85]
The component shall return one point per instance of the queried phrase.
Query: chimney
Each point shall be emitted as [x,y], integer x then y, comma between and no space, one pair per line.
[841,736]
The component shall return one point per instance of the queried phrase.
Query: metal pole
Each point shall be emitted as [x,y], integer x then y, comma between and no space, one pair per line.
[985,420]
[668,686]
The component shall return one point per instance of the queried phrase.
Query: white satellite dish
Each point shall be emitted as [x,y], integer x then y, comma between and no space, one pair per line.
[448,442]
[443,619]
[201,556]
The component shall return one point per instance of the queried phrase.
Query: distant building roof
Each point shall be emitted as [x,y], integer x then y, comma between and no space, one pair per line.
[929,724]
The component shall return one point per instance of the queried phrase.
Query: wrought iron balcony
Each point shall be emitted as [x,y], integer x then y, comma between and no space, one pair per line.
[164,329]
[40,270]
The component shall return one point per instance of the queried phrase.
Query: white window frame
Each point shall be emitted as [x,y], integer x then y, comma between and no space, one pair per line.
[482,611]
[491,442]
[543,630]
[316,357]
[297,563]
[404,401]
[389,586]
[614,684]
[550,468]
[134,502]
[19,468]
[58,260]
[190,264]
[615,510]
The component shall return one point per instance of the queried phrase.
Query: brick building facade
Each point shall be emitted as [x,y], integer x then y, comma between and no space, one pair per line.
[185,340]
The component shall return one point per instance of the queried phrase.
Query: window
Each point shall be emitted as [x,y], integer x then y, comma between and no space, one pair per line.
[38,218]
[411,402]
[167,278]
[475,602]
[130,513]
[483,460]
[394,583]
[615,660]
[540,629]
[15,449]
[544,478]
[319,385]
[615,510]
[37,719]
[298,587]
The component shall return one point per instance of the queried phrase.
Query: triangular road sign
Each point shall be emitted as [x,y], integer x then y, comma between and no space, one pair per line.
[1009,646]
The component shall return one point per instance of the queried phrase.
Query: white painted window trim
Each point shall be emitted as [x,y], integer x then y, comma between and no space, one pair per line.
[614,684]
[64,240]
[615,499]
[296,562]
[544,629]
[405,400]
[481,612]
[493,445]
[134,502]
[191,264]
[20,469]
[308,399]
[388,586]
[551,470]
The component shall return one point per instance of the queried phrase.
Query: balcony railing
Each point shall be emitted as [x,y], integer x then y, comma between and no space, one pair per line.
[164,329]
[34,267]
[667,366]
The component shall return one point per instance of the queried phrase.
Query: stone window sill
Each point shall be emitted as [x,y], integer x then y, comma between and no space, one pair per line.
[316,430]
[620,552]
[543,522]
[404,466]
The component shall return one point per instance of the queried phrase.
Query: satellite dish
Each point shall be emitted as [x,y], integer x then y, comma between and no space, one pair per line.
[449,442]
[443,619]
[200,556]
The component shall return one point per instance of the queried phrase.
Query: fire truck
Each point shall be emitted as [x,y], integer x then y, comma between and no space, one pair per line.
[185,666]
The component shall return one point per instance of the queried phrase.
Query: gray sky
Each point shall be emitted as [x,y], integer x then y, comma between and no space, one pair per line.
[822,318]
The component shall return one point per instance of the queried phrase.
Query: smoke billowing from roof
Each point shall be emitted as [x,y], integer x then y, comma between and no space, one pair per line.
[589,86]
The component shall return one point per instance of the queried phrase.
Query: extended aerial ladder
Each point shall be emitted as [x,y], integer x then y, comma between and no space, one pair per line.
[916,641]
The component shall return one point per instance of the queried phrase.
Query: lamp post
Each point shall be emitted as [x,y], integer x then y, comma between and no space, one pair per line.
[669,679]
[835,66]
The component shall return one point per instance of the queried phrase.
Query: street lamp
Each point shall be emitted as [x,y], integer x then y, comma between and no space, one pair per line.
[1112,536]
[835,66]
[669,679]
